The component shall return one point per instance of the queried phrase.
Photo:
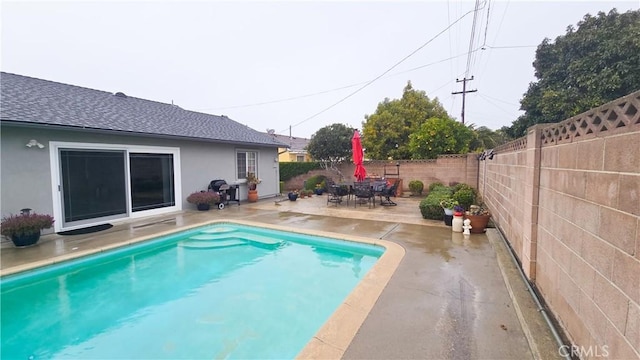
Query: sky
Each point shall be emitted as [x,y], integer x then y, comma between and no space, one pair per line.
[293,67]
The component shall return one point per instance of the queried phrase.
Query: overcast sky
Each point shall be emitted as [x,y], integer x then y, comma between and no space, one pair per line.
[280,64]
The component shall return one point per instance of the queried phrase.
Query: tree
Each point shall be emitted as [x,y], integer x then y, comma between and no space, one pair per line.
[583,69]
[386,132]
[485,138]
[331,145]
[439,136]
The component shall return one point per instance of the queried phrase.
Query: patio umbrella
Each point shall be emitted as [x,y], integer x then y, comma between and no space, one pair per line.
[358,156]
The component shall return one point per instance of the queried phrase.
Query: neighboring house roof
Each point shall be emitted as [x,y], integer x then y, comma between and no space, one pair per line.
[34,101]
[294,144]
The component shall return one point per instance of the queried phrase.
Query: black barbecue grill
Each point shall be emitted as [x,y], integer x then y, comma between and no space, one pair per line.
[227,192]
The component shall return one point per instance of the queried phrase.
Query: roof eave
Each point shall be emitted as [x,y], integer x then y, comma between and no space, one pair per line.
[127,133]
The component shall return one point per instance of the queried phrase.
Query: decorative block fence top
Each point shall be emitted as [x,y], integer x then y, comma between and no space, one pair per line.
[620,115]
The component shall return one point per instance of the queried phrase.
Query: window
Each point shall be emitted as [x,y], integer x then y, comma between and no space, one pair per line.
[300,158]
[246,162]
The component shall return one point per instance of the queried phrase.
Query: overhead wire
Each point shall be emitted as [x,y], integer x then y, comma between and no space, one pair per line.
[496,105]
[494,39]
[379,76]
[331,90]
[448,22]
[472,37]
[476,58]
[500,100]
[486,28]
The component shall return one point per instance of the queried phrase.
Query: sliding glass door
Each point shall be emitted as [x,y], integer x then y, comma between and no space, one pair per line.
[98,183]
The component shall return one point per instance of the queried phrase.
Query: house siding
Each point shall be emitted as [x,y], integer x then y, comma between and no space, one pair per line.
[26,172]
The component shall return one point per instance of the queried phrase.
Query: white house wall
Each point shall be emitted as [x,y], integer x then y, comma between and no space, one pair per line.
[25,175]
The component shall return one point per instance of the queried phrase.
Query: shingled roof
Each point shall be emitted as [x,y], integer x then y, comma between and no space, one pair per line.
[29,100]
[294,144]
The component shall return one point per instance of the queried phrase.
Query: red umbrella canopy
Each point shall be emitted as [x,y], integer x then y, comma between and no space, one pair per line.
[358,156]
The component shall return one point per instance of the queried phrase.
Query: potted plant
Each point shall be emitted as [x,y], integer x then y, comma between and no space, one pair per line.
[447,204]
[479,217]
[293,195]
[252,186]
[320,188]
[204,199]
[24,229]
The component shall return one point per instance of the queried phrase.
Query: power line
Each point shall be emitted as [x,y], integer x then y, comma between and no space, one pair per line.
[472,37]
[511,47]
[487,99]
[502,101]
[486,28]
[383,74]
[335,89]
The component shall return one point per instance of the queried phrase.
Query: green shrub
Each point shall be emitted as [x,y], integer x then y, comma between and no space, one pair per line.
[460,186]
[310,183]
[289,170]
[416,186]
[435,185]
[465,197]
[430,206]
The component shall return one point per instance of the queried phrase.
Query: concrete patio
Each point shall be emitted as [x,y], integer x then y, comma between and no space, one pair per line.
[451,297]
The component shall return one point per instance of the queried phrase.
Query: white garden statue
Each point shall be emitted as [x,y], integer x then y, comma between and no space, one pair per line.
[466,227]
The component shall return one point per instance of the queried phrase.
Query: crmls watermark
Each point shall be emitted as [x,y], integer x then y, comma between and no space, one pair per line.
[584,351]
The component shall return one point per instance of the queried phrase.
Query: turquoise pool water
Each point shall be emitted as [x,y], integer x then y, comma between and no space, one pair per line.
[221,291]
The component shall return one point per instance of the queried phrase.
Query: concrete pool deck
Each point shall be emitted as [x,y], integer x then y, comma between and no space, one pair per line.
[450,296]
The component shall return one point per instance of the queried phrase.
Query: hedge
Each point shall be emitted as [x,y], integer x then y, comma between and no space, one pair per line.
[430,206]
[289,170]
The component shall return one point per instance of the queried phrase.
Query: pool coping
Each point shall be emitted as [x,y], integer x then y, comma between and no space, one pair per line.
[334,336]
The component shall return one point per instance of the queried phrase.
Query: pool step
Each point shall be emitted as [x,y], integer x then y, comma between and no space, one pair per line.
[219,230]
[198,244]
[259,239]
[206,240]
[201,237]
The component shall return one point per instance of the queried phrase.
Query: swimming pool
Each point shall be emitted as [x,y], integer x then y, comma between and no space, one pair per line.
[223,291]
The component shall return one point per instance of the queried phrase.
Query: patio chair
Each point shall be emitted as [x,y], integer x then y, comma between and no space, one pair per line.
[336,193]
[387,193]
[362,191]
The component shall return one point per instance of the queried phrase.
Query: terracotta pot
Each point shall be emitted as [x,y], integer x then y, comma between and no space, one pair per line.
[252,195]
[478,223]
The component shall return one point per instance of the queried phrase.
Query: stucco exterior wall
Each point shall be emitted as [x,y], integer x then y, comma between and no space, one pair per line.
[26,172]
[567,197]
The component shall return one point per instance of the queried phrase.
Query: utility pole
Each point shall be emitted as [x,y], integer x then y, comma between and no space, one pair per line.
[464,92]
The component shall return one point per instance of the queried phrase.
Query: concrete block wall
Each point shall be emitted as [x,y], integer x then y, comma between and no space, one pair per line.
[444,169]
[567,198]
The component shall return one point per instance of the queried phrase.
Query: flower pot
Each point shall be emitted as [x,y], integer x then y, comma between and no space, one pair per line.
[448,219]
[203,207]
[24,240]
[319,191]
[478,223]
[293,196]
[252,195]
